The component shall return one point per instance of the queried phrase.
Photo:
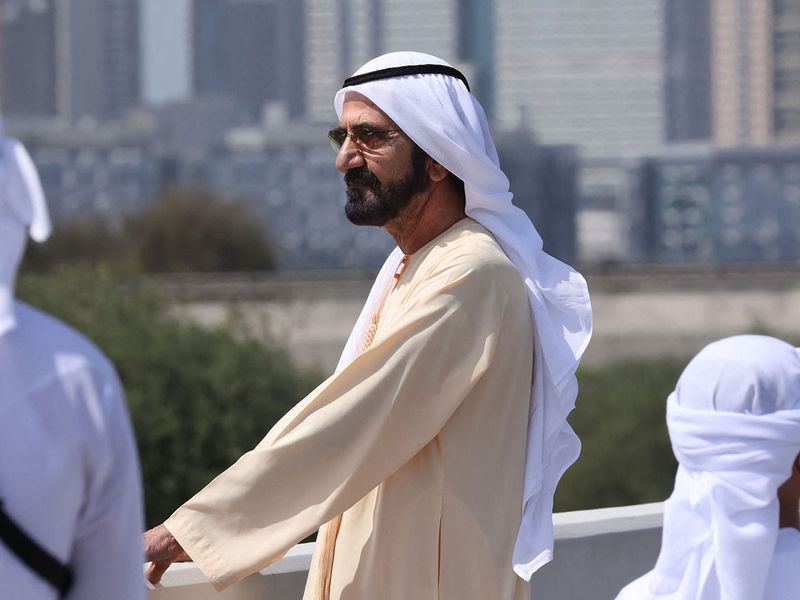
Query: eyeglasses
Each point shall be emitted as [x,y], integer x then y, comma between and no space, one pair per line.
[364,138]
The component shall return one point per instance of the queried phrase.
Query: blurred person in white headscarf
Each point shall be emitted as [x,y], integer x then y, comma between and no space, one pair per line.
[430,457]
[731,526]
[70,492]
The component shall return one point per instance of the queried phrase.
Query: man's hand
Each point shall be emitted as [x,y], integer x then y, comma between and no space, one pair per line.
[163,550]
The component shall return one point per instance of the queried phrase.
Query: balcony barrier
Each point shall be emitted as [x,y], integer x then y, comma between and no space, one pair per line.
[596,553]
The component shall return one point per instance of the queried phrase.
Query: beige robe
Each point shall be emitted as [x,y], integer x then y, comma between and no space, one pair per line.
[419,442]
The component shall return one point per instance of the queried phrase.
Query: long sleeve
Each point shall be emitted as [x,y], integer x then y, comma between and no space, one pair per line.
[69,471]
[353,432]
[107,553]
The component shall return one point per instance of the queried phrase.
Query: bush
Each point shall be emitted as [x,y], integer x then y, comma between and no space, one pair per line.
[198,399]
[193,230]
[621,419]
[90,241]
[183,230]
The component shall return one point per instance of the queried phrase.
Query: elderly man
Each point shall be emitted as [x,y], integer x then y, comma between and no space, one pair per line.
[731,526]
[70,492]
[431,456]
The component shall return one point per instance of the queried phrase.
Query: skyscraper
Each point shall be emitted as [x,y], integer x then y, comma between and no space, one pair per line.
[165,34]
[733,71]
[98,57]
[27,57]
[786,70]
[250,49]
[476,47]
[687,64]
[582,72]
[71,58]
[741,72]
[342,35]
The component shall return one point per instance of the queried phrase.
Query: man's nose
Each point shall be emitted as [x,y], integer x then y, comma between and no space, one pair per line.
[349,157]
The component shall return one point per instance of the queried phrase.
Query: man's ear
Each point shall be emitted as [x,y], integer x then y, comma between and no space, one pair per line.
[436,171]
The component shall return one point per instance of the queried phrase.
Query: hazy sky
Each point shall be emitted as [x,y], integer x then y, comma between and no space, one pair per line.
[166,63]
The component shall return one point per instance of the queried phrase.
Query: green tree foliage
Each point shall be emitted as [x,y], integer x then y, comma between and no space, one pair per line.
[620,417]
[198,399]
[183,230]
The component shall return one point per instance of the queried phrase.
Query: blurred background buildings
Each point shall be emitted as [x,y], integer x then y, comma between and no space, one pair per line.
[656,142]
[632,131]
[70,59]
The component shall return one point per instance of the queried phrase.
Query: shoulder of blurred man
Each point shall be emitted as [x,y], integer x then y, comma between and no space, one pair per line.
[69,465]
[46,348]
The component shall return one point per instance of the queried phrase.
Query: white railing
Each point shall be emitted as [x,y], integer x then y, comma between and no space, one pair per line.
[597,552]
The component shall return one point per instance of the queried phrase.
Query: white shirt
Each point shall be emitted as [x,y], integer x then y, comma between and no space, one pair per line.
[69,474]
[784,573]
[783,581]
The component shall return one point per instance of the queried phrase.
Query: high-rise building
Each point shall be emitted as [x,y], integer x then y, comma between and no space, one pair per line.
[98,57]
[72,58]
[208,56]
[476,46]
[27,57]
[741,72]
[165,34]
[544,182]
[582,72]
[786,70]
[250,49]
[733,71]
[341,35]
[687,69]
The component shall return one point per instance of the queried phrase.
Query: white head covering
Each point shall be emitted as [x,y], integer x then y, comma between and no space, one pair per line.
[734,423]
[441,116]
[23,212]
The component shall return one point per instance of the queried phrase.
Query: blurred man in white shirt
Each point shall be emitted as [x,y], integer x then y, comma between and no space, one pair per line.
[70,489]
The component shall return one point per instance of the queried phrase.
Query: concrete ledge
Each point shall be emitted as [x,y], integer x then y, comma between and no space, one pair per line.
[283,580]
[597,552]
[601,521]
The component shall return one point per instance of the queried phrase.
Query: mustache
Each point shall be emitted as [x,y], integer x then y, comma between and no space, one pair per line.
[361,175]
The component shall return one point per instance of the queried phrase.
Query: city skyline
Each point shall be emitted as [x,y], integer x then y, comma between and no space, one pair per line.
[235,96]
[619,78]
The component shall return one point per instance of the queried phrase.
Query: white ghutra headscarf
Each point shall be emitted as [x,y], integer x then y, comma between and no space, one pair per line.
[440,115]
[734,423]
[23,212]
